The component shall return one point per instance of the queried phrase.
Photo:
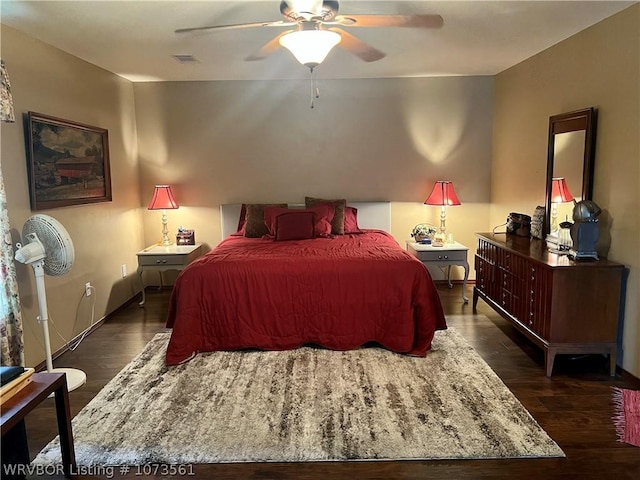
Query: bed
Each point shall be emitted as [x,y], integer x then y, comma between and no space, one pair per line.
[340,292]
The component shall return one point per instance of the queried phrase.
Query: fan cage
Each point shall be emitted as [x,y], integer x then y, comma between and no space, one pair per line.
[57,243]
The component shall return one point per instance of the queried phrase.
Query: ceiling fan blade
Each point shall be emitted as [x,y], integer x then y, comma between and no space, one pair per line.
[268,48]
[360,49]
[411,21]
[279,23]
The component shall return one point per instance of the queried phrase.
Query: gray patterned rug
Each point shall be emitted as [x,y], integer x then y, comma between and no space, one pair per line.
[305,405]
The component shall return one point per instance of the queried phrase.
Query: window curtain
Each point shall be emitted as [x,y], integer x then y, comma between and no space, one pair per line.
[10,316]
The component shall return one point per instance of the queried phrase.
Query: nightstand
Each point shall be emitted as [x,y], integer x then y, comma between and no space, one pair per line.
[161,258]
[450,254]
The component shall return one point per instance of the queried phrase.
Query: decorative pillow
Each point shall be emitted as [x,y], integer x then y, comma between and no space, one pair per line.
[337,224]
[242,219]
[351,220]
[537,223]
[323,216]
[294,225]
[254,225]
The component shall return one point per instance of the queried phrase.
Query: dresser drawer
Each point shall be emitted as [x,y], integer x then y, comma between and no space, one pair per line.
[147,260]
[449,255]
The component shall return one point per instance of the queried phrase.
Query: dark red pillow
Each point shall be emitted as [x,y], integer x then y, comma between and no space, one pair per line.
[323,216]
[351,220]
[294,225]
[337,222]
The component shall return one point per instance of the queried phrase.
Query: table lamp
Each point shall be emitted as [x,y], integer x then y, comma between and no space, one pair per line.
[164,200]
[443,195]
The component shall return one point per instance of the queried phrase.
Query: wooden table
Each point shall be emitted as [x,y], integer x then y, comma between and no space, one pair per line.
[14,435]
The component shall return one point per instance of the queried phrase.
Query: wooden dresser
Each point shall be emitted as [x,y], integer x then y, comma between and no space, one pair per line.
[560,305]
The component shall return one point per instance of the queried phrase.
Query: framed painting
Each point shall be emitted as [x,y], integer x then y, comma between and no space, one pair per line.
[68,162]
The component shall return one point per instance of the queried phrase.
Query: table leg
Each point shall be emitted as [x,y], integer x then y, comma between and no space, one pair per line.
[549,358]
[15,450]
[63,415]
[449,276]
[464,284]
[613,355]
[141,283]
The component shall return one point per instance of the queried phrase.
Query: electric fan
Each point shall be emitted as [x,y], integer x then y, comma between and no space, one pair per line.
[49,251]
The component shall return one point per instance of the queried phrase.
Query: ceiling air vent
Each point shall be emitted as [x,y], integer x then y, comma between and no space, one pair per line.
[186,58]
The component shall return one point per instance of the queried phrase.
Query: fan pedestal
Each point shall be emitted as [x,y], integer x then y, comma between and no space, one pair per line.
[55,260]
[75,378]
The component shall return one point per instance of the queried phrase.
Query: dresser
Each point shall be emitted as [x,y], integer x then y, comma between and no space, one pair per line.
[563,306]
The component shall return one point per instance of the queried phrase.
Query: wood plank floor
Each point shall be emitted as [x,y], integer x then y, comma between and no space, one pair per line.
[574,405]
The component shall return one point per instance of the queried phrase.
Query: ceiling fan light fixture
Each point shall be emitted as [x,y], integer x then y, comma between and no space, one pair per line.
[310,47]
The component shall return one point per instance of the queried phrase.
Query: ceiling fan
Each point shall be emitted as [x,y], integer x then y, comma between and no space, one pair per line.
[317,30]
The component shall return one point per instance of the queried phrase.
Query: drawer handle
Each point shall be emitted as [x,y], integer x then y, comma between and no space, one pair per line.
[158,261]
[440,257]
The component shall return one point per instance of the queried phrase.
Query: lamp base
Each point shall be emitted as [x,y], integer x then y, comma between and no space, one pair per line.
[443,221]
[165,230]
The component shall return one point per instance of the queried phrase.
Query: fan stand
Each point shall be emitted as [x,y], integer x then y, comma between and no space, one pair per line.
[75,378]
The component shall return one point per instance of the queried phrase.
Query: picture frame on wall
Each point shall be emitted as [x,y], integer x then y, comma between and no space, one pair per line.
[68,162]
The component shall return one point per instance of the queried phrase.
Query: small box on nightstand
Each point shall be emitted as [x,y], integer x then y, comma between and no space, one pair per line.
[186,237]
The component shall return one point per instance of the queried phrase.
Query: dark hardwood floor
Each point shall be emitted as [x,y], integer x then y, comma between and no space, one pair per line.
[574,406]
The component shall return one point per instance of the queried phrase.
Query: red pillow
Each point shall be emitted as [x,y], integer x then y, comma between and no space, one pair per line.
[323,216]
[351,220]
[294,225]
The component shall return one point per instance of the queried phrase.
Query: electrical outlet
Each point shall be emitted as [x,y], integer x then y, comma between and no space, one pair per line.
[123,270]
[87,289]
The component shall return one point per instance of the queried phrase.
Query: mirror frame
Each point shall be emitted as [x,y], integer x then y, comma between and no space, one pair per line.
[584,119]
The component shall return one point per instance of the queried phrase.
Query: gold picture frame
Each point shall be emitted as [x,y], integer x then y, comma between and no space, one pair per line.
[68,162]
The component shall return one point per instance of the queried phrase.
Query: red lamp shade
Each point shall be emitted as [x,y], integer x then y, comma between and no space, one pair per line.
[559,191]
[443,194]
[163,199]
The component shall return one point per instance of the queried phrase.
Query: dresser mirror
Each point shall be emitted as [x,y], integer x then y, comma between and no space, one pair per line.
[570,157]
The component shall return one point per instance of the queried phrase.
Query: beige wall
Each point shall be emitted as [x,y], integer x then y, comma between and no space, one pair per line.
[388,139]
[105,235]
[598,67]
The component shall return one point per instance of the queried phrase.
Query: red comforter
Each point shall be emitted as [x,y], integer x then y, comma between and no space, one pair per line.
[339,293]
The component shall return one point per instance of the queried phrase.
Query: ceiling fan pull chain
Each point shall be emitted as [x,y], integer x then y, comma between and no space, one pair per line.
[312,87]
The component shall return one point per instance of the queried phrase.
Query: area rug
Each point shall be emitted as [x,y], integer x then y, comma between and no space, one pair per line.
[627,415]
[308,404]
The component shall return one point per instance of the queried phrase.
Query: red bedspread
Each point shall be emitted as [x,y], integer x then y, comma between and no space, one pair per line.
[339,293]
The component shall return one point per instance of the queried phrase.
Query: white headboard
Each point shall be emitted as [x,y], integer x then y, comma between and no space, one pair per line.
[376,215]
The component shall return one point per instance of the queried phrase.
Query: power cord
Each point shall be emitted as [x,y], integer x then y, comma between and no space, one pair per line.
[88,329]
[76,343]
[498,226]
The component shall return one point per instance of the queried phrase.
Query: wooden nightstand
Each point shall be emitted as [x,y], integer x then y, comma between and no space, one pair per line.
[161,258]
[450,254]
